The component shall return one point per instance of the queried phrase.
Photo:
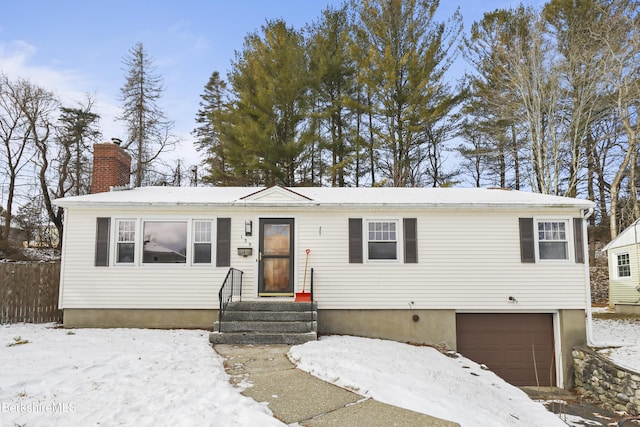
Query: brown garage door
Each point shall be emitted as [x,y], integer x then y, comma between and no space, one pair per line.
[517,347]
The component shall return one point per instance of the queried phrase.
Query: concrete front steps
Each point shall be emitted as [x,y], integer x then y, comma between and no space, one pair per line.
[267,322]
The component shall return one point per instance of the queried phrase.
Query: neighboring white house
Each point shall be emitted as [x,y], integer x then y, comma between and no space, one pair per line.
[624,269]
[491,273]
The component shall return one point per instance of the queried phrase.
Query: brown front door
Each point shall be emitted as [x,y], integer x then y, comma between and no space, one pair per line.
[275,271]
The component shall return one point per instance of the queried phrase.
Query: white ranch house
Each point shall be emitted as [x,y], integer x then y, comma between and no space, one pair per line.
[498,275]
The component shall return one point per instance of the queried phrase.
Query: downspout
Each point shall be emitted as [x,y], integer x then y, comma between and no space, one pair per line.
[635,232]
[63,258]
[586,214]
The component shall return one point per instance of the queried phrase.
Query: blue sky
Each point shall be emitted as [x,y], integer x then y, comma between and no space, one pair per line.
[75,47]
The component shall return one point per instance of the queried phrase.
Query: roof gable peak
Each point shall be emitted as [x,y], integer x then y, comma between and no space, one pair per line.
[276,194]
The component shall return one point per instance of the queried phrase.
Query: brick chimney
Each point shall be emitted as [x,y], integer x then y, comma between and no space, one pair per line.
[111,166]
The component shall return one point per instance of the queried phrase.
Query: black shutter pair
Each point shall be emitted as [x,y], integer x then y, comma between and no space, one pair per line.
[527,241]
[223,242]
[410,239]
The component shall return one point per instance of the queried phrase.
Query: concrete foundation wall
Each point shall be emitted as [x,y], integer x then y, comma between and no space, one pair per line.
[433,327]
[139,318]
[573,333]
[633,309]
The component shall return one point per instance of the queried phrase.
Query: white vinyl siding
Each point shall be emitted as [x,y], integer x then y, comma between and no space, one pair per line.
[141,286]
[469,260]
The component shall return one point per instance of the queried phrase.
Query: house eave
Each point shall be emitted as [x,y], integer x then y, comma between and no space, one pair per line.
[328,206]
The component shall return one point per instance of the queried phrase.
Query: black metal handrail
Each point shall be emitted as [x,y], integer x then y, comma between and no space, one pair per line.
[311,290]
[231,286]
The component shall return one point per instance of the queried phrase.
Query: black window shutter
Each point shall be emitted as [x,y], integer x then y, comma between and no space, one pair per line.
[527,242]
[223,243]
[410,240]
[355,240]
[578,240]
[103,226]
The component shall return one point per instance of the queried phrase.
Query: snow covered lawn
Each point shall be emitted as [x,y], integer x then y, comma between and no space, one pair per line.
[117,377]
[624,333]
[51,376]
[421,379]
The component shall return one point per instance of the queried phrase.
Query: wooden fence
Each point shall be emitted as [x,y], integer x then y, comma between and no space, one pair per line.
[29,292]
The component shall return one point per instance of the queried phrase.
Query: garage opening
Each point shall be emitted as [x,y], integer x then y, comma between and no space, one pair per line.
[519,347]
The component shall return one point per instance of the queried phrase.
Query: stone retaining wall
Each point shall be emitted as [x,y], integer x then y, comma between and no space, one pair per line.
[599,379]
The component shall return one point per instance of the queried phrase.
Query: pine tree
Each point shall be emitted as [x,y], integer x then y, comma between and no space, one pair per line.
[332,72]
[78,128]
[208,137]
[409,53]
[492,105]
[263,126]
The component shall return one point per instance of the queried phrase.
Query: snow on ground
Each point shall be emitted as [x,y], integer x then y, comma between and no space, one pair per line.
[117,377]
[421,379]
[52,376]
[624,333]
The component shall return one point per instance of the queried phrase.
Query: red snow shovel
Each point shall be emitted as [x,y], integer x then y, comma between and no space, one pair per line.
[304,296]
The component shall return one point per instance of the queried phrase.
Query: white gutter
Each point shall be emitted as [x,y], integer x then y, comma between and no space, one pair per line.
[587,276]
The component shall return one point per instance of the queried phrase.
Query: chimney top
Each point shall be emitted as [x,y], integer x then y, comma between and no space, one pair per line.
[116,141]
[111,166]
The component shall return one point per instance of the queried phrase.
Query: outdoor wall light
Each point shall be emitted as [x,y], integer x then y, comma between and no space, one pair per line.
[248,228]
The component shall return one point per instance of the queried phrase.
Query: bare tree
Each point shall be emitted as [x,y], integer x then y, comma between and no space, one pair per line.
[149,130]
[581,67]
[621,36]
[15,135]
[38,111]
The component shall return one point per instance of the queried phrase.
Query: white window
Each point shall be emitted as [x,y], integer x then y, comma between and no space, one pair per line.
[553,243]
[623,265]
[165,242]
[126,244]
[382,240]
[202,242]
